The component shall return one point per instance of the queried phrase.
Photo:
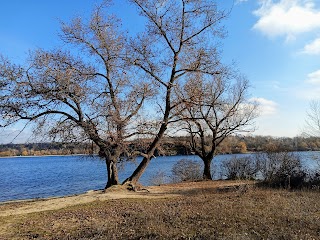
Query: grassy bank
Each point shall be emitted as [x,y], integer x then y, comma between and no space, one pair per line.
[199,211]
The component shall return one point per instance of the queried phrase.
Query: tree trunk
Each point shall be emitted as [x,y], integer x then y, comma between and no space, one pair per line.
[112,172]
[134,178]
[207,169]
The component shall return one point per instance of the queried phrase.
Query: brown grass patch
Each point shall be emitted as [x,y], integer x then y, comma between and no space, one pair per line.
[200,212]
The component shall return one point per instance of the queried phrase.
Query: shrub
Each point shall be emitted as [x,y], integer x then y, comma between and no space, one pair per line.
[281,169]
[158,178]
[313,180]
[240,168]
[186,170]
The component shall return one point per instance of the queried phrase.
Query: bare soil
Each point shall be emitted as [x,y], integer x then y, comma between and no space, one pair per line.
[116,192]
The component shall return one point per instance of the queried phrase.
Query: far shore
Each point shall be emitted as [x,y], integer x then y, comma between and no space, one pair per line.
[58,155]
[66,155]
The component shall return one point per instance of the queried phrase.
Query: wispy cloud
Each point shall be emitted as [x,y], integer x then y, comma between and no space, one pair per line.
[314,77]
[308,89]
[266,107]
[312,48]
[287,18]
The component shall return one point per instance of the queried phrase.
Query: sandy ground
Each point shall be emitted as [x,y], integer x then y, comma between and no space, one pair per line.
[118,192]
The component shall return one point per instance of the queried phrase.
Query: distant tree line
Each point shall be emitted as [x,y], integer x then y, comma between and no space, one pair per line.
[245,144]
[263,143]
[171,146]
[40,149]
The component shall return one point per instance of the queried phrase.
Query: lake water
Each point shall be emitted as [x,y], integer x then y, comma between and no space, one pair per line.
[48,176]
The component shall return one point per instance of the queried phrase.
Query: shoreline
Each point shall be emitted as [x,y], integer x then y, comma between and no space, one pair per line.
[19,207]
[27,200]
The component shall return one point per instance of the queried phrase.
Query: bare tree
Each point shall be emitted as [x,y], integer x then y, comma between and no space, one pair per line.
[313,120]
[99,93]
[213,109]
[312,128]
[88,93]
[180,41]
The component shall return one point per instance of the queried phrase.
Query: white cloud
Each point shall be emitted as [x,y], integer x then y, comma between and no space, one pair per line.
[266,107]
[287,18]
[308,89]
[314,77]
[312,48]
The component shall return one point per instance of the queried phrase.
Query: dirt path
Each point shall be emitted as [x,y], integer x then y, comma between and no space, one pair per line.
[163,191]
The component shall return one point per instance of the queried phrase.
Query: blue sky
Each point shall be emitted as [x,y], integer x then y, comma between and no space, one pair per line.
[275,43]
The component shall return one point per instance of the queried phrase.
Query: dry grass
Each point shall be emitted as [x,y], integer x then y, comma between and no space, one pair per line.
[198,213]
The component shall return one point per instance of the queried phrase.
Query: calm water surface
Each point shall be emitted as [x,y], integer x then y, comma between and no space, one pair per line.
[40,177]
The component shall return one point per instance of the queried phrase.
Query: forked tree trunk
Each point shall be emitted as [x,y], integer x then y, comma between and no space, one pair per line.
[112,172]
[207,169]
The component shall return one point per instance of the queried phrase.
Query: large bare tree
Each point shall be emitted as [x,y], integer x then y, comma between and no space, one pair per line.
[99,93]
[214,108]
[90,92]
[180,41]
